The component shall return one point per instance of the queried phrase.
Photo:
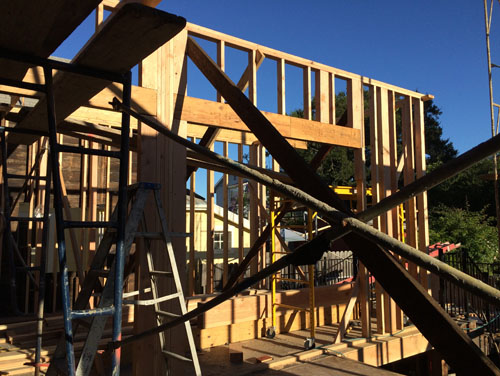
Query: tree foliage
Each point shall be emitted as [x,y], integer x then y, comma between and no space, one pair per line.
[468,190]
[438,149]
[475,230]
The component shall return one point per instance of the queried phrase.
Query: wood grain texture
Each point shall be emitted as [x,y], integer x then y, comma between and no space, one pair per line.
[126,37]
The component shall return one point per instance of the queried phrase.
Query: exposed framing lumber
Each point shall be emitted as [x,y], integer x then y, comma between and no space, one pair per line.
[40,27]
[278,147]
[212,131]
[309,251]
[133,24]
[434,323]
[241,44]
[462,342]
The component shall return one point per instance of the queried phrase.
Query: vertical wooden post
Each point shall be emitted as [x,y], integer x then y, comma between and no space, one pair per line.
[420,167]
[409,177]
[241,237]
[397,323]
[254,210]
[332,97]
[375,182]
[192,230]
[385,190]
[281,86]
[355,119]
[306,79]
[225,224]
[210,231]
[163,161]
[322,96]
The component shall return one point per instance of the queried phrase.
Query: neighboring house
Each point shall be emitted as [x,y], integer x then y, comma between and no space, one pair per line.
[232,191]
[200,231]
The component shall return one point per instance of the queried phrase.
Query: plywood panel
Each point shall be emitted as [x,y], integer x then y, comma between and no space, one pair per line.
[126,37]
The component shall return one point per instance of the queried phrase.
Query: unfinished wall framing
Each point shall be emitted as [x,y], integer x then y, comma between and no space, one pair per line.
[221,219]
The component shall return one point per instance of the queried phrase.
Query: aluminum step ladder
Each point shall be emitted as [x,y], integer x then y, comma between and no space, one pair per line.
[155,275]
[35,273]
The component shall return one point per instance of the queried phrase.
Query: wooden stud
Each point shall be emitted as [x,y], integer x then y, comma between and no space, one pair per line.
[306,79]
[225,224]
[332,97]
[420,167]
[280,65]
[253,210]
[192,230]
[241,238]
[322,97]
[409,176]
[397,322]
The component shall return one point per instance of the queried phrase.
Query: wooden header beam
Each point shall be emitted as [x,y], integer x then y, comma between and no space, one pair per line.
[220,115]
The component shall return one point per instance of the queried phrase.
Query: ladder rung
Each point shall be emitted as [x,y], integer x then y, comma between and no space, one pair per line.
[83,313]
[31,177]
[28,268]
[27,219]
[180,234]
[176,356]
[149,235]
[134,293]
[89,224]
[80,150]
[161,272]
[152,301]
[167,314]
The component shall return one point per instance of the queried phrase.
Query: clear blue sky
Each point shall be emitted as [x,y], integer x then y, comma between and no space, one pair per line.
[435,47]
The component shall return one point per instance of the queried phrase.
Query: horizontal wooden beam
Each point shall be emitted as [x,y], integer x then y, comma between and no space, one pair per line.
[270,53]
[209,113]
[143,99]
[233,136]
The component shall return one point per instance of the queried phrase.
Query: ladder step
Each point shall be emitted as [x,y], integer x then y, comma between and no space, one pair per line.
[161,273]
[167,314]
[27,219]
[84,313]
[148,302]
[180,234]
[149,235]
[31,177]
[28,268]
[80,150]
[134,293]
[89,224]
[176,356]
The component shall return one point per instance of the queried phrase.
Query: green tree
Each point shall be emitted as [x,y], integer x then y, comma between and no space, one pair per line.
[338,166]
[437,148]
[475,230]
[470,189]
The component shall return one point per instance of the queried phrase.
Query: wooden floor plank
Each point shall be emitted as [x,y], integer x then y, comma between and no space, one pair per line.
[126,37]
